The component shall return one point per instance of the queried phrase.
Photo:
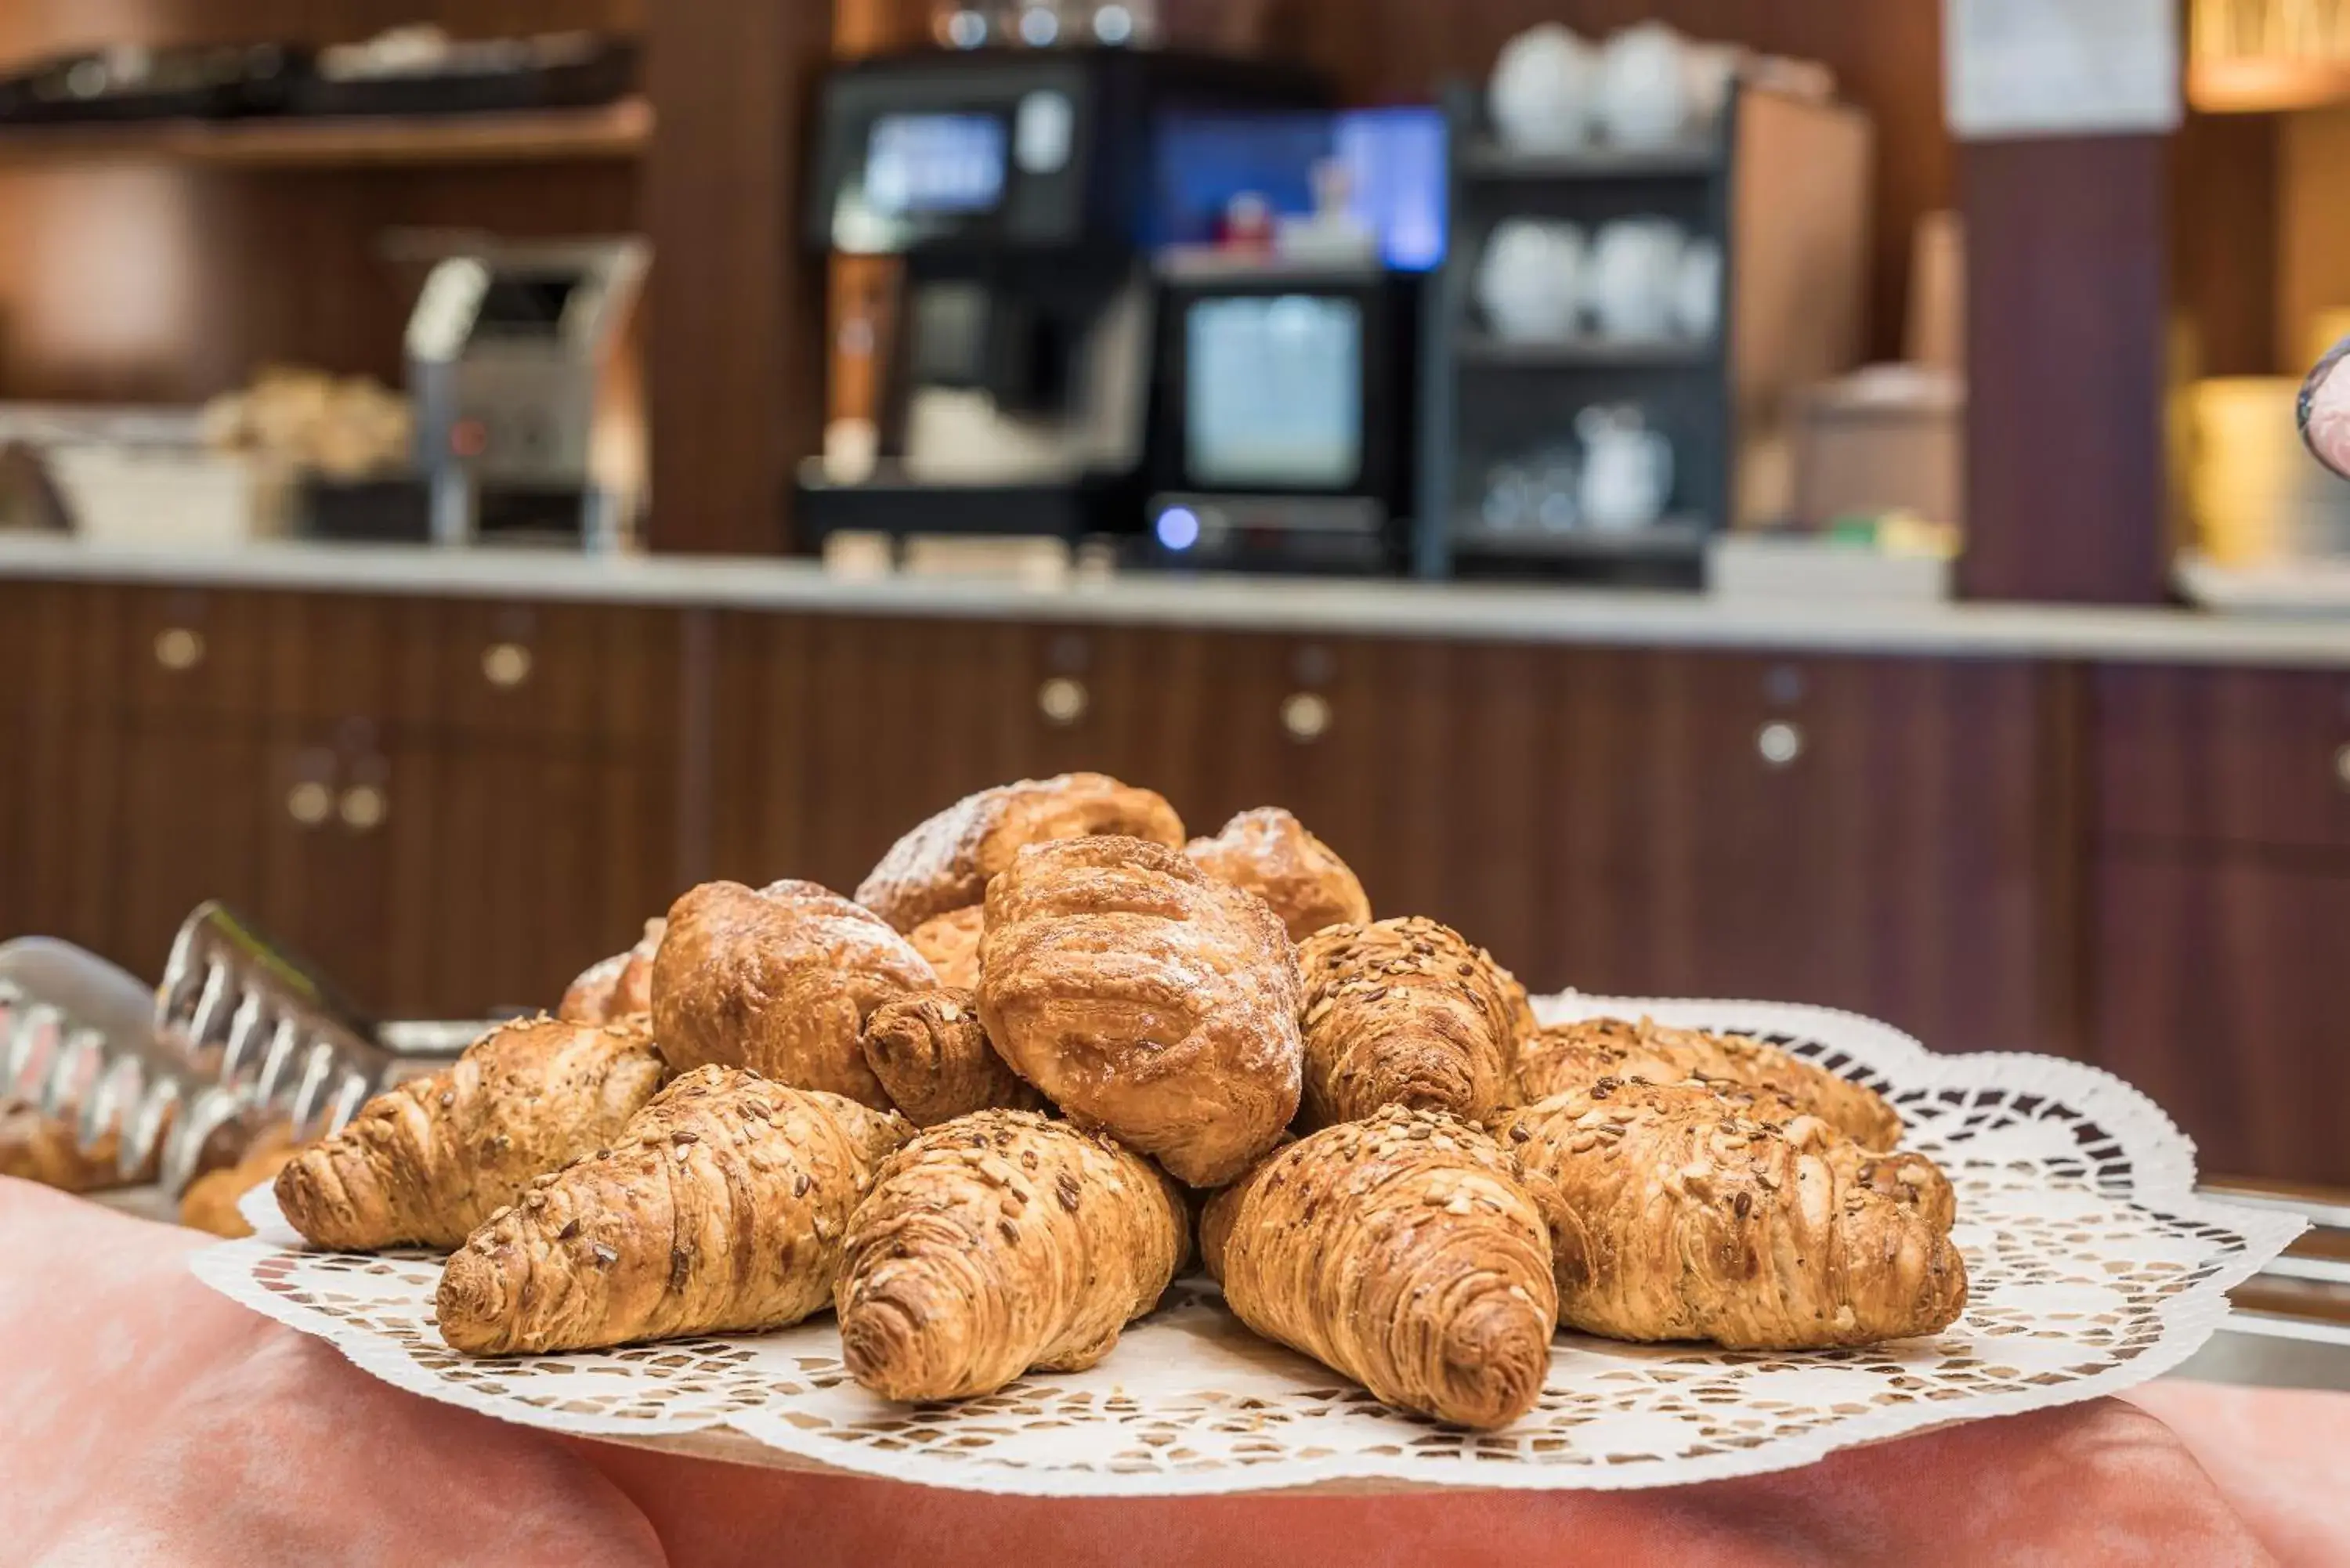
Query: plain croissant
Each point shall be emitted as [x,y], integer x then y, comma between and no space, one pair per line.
[1576,1055]
[426,1162]
[999,1243]
[1404,1252]
[933,1057]
[722,1210]
[1675,1215]
[1403,1013]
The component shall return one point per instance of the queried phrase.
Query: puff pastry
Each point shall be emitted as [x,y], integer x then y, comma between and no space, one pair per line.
[211,1201]
[1401,1251]
[617,987]
[1575,1055]
[999,1243]
[779,981]
[1145,999]
[950,944]
[1403,1013]
[721,1209]
[933,1057]
[1268,852]
[944,863]
[426,1162]
[48,1149]
[1673,1216]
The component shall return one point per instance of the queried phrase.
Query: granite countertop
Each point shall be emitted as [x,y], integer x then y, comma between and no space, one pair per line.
[1338,607]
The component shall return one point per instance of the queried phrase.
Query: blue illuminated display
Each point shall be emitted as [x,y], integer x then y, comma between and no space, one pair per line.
[1179,528]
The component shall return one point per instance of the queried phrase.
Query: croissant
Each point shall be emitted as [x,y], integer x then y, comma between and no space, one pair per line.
[48,1149]
[721,1209]
[616,987]
[931,1055]
[999,1243]
[1269,853]
[1403,1013]
[779,981]
[1674,1216]
[211,1201]
[1401,1251]
[1145,999]
[1575,1055]
[426,1162]
[950,943]
[944,863]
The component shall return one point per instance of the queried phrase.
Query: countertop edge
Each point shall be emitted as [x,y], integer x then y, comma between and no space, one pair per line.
[1462,612]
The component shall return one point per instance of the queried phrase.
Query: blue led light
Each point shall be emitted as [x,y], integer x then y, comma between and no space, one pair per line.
[1179,528]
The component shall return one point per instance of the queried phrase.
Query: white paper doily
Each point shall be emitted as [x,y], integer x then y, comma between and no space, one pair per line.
[2092,1265]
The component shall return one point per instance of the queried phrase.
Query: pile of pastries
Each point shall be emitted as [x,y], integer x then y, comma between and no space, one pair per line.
[987,1109]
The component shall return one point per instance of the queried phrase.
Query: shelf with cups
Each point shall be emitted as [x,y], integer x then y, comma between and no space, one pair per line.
[1582,350]
[1486,158]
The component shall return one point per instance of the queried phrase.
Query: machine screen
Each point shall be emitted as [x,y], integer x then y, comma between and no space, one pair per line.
[516,304]
[934,163]
[1274,391]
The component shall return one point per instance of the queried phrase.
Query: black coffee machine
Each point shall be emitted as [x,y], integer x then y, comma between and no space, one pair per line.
[1016,186]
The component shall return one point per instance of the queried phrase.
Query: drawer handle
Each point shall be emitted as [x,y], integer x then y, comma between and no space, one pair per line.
[505,665]
[1779,743]
[309,803]
[1306,716]
[178,647]
[363,808]
[2341,765]
[1062,700]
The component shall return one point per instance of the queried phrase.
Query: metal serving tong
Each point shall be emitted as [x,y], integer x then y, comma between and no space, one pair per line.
[240,1031]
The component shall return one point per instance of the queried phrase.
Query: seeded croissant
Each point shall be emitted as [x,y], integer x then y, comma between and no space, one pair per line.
[1403,1013]
[426,1162]
[931,1055]
[1576,1055]
[1145,999]
[1401,1251]
[1674,1216]
[999,1243]
[721,1210]
[1268,852]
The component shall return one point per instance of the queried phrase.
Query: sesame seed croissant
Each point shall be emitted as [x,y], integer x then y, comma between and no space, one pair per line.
[1403,1013]
[1403,1251]
[721,1210]
[1674,1216]
[1576,1055]
[998,1243]
[424,1163]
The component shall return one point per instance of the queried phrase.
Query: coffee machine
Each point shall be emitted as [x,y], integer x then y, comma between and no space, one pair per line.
[1016,190]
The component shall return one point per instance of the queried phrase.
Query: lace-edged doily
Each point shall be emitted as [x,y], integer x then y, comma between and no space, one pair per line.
[2092,1267]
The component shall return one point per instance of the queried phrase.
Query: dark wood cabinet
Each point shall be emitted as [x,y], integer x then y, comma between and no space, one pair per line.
[2224,756]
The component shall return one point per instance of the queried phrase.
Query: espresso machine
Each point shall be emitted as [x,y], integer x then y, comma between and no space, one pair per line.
[1014,191]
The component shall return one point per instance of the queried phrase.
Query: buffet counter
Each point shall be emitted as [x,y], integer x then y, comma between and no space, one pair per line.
[1454,611]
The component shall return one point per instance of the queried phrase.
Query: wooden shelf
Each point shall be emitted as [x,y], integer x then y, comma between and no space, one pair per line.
[1488,160]
[1675,538]
[1591,352]
[2249,85]
[608,132]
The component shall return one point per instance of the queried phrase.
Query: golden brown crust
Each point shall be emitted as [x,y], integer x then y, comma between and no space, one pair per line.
[1673,1216]
[48,1149]
[999,1243]
[1404,1252]
[951,943]
[1269,853]
[721,1210]
[932,1055]
[426,1162]
[1403,1013]
[210,1203]
[1145,999]
[617,987]
[1575,1055]
[945,863]
[779,981]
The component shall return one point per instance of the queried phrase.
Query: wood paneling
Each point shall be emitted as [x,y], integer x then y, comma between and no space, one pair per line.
[737,340]
[2234,756]
[2220,991]
[2066,302]
[2224,243]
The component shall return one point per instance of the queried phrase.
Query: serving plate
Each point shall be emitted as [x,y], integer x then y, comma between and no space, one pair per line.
[2093,1264]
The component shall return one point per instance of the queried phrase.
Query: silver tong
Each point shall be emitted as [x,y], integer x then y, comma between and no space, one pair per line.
[239,1033]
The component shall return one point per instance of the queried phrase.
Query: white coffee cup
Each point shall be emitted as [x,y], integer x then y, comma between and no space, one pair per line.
[1697,290]
[1544,89]
[1627,470]
[1632,275]
[1529,283]
[1644,87]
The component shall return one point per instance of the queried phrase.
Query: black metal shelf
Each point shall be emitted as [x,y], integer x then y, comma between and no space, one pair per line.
[1673,538]
[1594,352]
[1486,158]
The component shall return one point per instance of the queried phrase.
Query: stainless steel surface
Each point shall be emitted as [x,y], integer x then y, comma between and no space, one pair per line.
[2269,1351]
